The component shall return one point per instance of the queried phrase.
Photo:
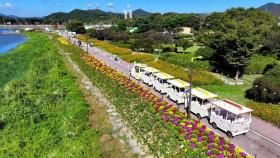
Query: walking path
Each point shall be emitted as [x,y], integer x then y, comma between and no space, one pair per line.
[262,141]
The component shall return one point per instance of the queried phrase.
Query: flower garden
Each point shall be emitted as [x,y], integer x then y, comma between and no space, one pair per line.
[194,139]
[63,41]
[200,77]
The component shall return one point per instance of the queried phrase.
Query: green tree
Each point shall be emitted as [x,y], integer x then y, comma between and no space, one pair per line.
[272,43]
[76,26]
[237,37]
[183,43]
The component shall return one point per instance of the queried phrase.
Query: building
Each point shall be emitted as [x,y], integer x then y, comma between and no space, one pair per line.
[186,31]
[128,14]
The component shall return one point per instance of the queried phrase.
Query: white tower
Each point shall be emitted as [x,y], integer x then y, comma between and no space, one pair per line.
[125,14]
[130,14]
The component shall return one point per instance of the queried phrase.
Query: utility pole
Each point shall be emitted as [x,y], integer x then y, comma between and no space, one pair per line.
[188,108]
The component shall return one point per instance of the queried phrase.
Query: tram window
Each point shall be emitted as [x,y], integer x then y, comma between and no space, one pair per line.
[137,69]
[141,70]
[177,89]
[194,98]
[182,89]
[206,102]
[200,101]
[173,87]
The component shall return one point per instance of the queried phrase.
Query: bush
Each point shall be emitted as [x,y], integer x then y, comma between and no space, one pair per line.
[169,48]
[205,52]
[267,88]
[258,63]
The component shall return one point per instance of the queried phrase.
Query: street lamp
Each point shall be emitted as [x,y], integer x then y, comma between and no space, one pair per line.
[188,107]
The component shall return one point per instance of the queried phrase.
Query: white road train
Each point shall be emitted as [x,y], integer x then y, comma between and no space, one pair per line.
[230,117]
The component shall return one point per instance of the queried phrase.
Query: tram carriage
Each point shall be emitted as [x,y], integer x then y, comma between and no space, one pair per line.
[230,117]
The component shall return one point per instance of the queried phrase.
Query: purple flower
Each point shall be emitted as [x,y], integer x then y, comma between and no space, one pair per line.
[210,146]
[192,146]
[187,137]
[209,153]
[243,154]
[220,156]
[221,148]
[199,139]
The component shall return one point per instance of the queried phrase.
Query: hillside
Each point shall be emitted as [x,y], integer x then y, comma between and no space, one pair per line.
[272,8]
[140,12]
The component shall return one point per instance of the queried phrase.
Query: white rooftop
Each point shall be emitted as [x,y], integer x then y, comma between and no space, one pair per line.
[232,107]
[163,75]
[140,65]
[179,83]
[151,69]
[203,94]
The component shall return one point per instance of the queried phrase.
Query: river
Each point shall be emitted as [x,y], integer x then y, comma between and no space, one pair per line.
[9,42]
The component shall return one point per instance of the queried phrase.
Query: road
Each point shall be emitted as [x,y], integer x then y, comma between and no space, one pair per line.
[262,141]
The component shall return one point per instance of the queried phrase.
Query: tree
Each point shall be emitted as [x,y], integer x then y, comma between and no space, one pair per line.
[143,45]
[76,26]
[272,43]
[183,43]
[237,37]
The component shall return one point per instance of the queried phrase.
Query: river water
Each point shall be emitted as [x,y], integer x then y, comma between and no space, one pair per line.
[9,42]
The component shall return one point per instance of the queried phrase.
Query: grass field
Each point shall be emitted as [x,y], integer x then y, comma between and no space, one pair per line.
[43,111]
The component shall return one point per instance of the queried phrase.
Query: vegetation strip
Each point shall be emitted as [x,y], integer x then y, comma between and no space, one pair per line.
[188,137]
[43,113]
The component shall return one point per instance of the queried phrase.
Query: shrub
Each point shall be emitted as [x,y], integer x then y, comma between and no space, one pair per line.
[205,52]
[169,48]
[266,89]
[258,63]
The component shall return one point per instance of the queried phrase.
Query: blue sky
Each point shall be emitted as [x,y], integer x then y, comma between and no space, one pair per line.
[44,7]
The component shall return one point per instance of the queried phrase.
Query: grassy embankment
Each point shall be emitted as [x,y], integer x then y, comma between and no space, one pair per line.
[203,79]
[43,112]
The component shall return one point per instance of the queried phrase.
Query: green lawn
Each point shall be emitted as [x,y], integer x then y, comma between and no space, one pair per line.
[192,49]
[42,112]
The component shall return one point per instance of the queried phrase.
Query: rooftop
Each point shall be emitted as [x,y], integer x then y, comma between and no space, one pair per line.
[202,94]
[163,75]
[151,69]
[232,107]
[179,83]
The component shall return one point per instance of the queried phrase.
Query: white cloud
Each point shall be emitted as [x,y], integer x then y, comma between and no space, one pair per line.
[6,5]
[58,4]
[128,5]
[111,5]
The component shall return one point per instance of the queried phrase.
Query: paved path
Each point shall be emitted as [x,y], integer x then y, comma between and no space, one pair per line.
[262,141]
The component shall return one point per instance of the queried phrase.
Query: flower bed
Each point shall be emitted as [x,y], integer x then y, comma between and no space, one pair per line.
[193,135]
[63,41]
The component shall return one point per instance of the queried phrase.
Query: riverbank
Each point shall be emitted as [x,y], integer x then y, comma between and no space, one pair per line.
[43,110]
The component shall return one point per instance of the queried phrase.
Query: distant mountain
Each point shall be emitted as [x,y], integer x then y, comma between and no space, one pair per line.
[95,15]
[272,8]
[82,15]
[140,12]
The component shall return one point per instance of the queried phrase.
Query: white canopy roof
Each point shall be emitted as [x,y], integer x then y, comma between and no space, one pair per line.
[163,75]
[140,65]
[151,69]
[202,94]
[179,83]
[232,107]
